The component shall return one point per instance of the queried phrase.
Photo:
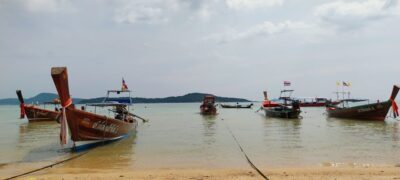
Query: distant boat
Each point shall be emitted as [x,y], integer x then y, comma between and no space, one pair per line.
[237,106]
[315,102]
[208,106]
[36,113]
[283,110]
[373,111]
[90,129]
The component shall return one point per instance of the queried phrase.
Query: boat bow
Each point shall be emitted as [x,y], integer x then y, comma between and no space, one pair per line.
[60,78]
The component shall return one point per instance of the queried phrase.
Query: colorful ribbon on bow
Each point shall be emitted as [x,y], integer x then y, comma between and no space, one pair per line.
[22,108]
[64,125]
[395,108]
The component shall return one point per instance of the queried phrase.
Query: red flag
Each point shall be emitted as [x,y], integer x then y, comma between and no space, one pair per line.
[124,86]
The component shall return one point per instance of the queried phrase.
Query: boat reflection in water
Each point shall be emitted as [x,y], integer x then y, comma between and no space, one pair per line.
[38,141]
[117,155]
[209,131]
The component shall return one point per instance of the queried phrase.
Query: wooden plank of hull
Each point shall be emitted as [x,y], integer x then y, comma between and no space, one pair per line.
[35,114]
[290,113]
[376,111]
[85,126]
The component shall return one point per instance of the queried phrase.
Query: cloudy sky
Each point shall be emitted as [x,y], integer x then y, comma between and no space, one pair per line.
[226,47]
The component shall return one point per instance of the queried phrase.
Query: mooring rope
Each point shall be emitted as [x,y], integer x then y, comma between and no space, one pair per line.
[244,153]
[48,166]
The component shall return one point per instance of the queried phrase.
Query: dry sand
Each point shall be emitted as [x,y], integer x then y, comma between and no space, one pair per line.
[384,172]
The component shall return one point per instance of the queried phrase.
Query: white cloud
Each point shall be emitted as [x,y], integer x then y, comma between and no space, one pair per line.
[148,11]
[251,4]
[142,13]
[46,5]
[160,11]
[264,29]
[355,14]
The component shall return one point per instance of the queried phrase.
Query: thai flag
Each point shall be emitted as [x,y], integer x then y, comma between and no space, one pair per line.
[124,86]
[286,83]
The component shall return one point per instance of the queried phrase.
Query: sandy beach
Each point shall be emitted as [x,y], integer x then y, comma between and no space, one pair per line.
[382,172]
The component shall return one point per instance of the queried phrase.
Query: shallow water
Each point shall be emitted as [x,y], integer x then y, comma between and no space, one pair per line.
[177,136]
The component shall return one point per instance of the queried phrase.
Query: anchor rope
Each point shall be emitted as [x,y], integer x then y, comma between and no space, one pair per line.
[48,166]
[244,153]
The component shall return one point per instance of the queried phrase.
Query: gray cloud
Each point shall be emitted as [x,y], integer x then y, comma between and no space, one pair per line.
[348,15]
[252,4]
[264,29]
[156,48]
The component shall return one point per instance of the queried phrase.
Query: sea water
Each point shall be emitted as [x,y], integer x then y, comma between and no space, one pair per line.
[177,136]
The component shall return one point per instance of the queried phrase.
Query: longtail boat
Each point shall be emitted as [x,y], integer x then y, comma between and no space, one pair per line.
[208,106]
[315,102]
[281,110]
[237,106]
[373,111]
[35,113]
[89,129]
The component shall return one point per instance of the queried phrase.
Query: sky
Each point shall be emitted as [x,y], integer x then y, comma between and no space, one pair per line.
[233,48]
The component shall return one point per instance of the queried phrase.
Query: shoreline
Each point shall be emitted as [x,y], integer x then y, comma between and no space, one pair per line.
[310,172]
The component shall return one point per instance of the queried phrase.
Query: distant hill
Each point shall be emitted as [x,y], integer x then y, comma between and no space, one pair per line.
[191,97]
[40,98]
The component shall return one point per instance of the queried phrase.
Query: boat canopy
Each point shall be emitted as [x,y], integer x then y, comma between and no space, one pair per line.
[106,104]
[119,99]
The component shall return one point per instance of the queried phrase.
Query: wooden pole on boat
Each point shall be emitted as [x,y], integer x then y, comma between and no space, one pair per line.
[21,104]
[395,91]
[60,78]
[143,119]
[265,95]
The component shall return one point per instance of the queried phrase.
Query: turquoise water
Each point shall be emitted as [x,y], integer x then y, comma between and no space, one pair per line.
[177,136]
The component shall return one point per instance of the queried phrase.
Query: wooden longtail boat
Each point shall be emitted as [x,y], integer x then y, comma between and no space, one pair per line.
[237,106]
[88,129]
[35,113]
[315,102]
[208,106]
[284,110]
[374,111]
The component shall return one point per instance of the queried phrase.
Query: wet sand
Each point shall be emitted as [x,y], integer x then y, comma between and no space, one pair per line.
[382,172]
